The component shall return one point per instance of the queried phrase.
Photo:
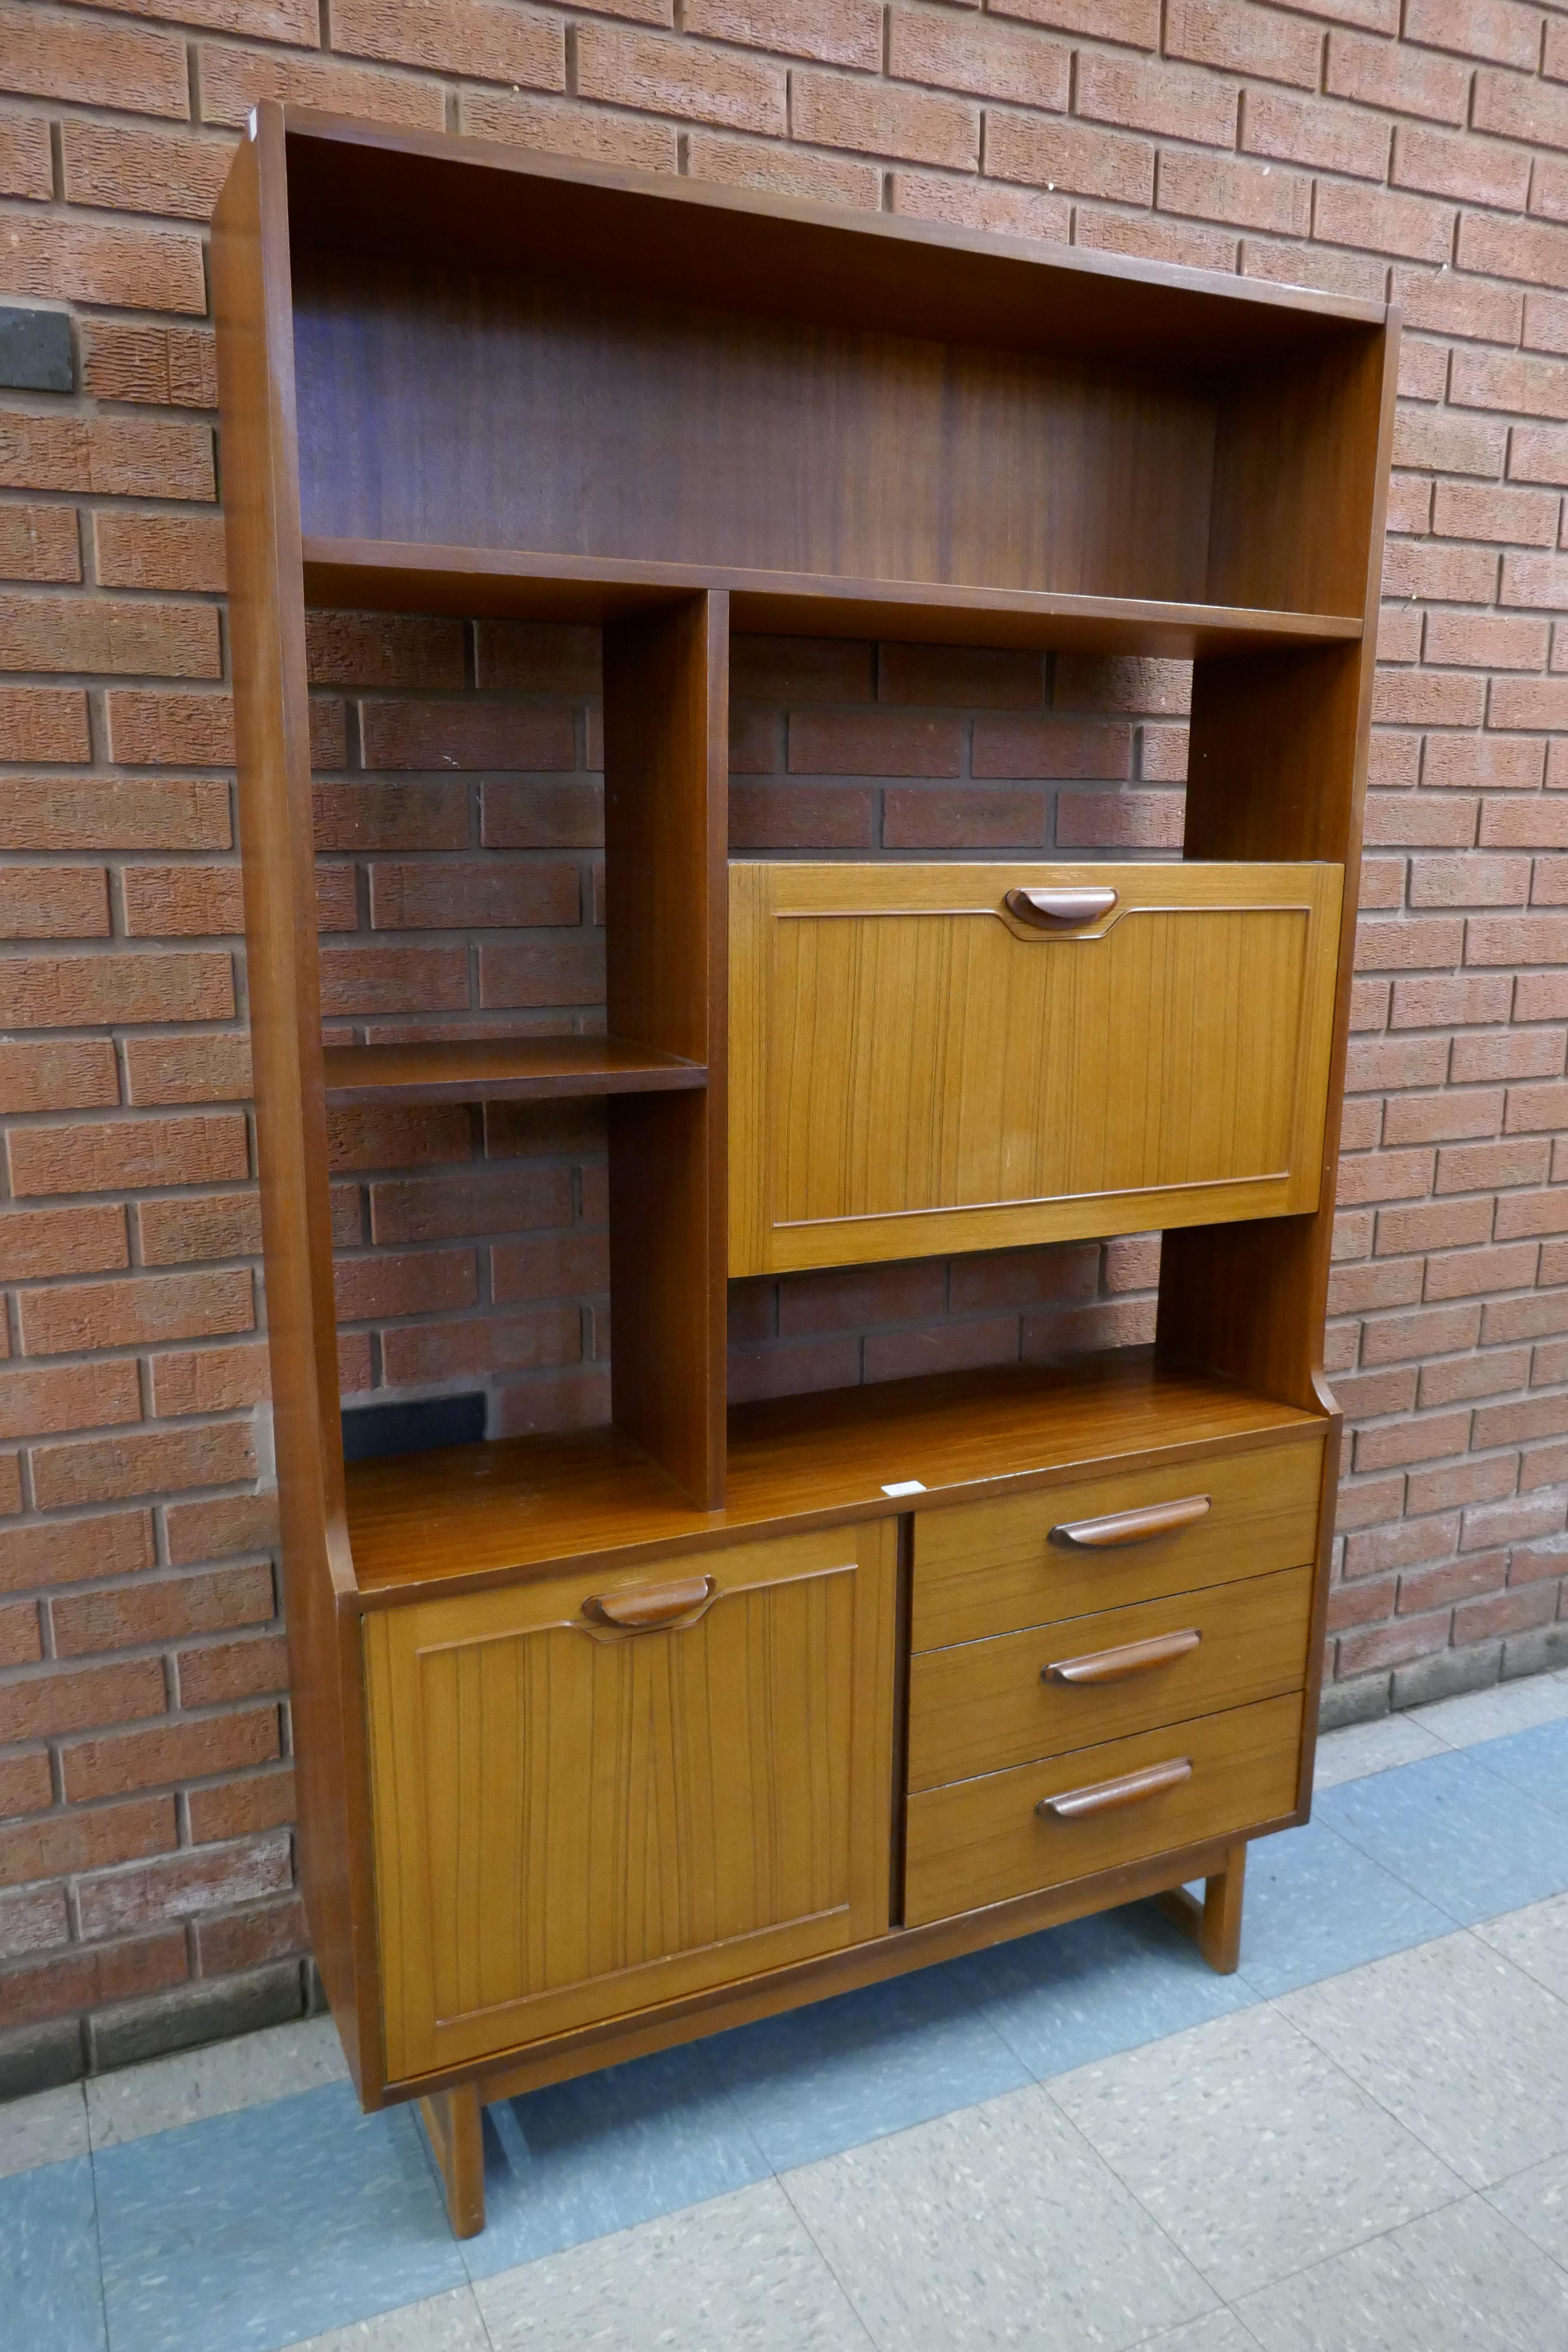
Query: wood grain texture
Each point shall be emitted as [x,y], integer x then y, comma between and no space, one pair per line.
[988,1568]
[391,576]
[267,624]
[1214,1923]
[454,2123]
[983,1841]
[503,1069]
[470,1514]
[667,685]
[573,1822]
[915,1070]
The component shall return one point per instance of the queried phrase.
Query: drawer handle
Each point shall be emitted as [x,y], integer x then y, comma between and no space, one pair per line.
[1060,910]
[1113,1796]
[644,1607]
[1118,1528]
[1131,1658]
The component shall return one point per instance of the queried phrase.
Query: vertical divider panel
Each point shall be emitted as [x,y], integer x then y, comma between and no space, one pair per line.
[667,694]
[1277,768]
[267,633]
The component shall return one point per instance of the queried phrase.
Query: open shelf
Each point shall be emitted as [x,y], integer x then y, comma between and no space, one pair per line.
[386,576]
[505,1069]
[465,1513]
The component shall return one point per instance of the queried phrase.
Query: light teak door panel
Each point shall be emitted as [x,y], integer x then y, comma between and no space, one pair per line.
[574,1820]
[986,1705]
[991,1568]
[915,1069]
[984,1841]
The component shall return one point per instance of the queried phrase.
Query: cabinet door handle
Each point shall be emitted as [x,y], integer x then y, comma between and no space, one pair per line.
[643,1608]
[1112,1796]
[1060,910]
[1118,1528]
[1131,1658]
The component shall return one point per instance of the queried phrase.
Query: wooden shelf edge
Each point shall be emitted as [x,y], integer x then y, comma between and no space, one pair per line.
[389,575]
[458,1520]
[512,1069]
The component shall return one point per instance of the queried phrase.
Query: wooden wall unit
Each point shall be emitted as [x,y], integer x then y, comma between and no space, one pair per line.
[611,1739]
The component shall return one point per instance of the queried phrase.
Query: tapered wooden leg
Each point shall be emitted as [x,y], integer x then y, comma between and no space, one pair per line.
[452,2118]
[1214,1923]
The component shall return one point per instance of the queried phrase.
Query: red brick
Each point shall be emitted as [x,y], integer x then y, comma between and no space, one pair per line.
[1305,131]
[1414,820]
[1412,944]
[233,80]
[1055,154]
[1237,38]
[987,60]
[39,543]
[663,75]
[1183,246]
[78,632]
[159,551]
[1384,1176]
[161,1609]
[35,1242]
[981,204]
[1375,1063]
[395,817]
[1469,881]
[273,1931]
[799,816]
[1504,1613]
[494,42]
[415,1284]
[974,677]
[515,1199]
[1488,763]
[262,1800]
[558,972]
[1427,698]
[1051,747]
[572,130]
[1445,305]
[75,1396]
[86,1837]
[219,1670]
[1486,1167]
[168,366]
[459,896]
[572,1264]
[1433,1003]
[1486,641]
[122,457]
[835,32]
[1458,1378]
[1119,820]
[1393,1645]
[1388,74]
[1520,108]
[1501,30]
[1538,453]
[26,169]
[40,902]
[1135,22]
[1510,1054]
[218,1528]
[213,1067]
[21,1643]
[871,744]
[967,817]
[1220,187]
[1386,222]
[43,1704]
[1531,1213]
[1440,1586]
[137,1313]
[105,1469]
[180,1885]
[60,991]
[47,813]
[1467,1482]
[60,55]
[438,1351]
[121,169]
[1359,1604]
[390,1135]
[393,979]
[454,735]
[82,1979]
[1472,170]
[1433,1226]
[118,1545]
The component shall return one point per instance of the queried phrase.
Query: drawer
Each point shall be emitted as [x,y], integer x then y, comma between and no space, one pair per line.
[984,1841]
[925,1058]
[995,1567]
[988,1705]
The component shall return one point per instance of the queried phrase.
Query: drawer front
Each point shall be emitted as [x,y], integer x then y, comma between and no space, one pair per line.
[927,1058]
[612,1787]
[995,1568]
[989,1705]
[985,1840]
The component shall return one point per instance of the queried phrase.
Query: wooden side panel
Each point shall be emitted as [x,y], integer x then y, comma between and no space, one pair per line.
[251,294]
[666,798]
[573,1823]
[917,1070]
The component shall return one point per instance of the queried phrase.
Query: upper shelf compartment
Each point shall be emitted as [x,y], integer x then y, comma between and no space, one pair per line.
[503,1069]
[859,424]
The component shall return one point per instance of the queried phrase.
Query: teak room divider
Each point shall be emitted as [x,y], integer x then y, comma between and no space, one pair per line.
[610,1740]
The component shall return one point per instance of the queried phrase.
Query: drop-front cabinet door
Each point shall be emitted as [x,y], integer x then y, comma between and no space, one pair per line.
[608,1789]
[951,1057]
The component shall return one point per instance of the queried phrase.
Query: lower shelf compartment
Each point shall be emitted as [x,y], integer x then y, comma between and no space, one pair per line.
[420,1522]
[987,1840]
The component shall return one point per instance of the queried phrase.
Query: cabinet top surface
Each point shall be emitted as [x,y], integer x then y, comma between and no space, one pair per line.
[470,1512]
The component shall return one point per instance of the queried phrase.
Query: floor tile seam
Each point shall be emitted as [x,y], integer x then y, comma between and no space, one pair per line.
[98,2251]
[1490,2196]
[1221,2302]
[781,2183]
[1341,1829]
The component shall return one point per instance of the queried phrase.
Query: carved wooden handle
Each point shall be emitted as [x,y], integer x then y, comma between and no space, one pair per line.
[1112,1796]
[1131,1658]
[1060,910]
[1118,1528]
[647,1606]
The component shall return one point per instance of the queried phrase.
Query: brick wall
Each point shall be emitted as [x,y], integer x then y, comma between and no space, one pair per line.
[1413,147]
